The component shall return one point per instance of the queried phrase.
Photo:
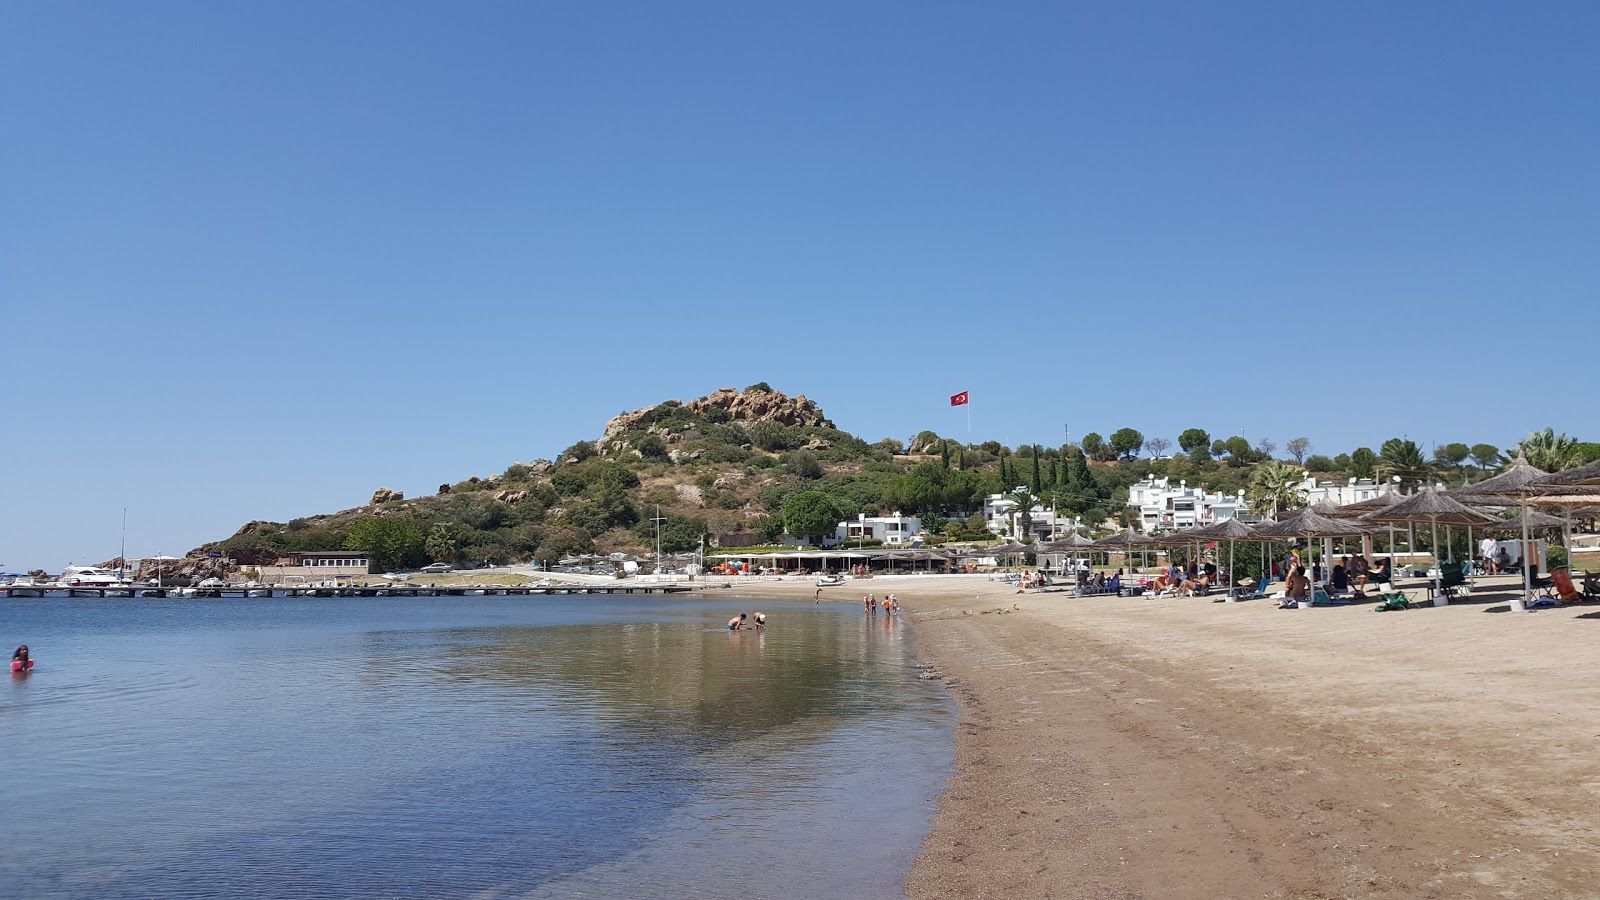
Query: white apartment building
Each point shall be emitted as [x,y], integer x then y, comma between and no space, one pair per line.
[1163,507]
[1341,492]
[892,530]
[1004,518]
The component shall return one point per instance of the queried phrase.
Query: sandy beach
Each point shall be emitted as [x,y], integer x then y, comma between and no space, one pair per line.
[1180,748]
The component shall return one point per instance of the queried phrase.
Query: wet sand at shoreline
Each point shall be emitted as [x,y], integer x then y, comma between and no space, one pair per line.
[1130,747]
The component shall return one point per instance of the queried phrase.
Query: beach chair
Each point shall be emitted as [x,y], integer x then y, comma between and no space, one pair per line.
[1563,591]
[1391,602]
[1452,578]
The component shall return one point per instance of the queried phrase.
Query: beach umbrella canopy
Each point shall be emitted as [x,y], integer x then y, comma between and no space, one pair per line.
[1124,541]
[1069,544]
[1532,519]
[1309,524]
[1510,486]
[1321,508]
[1433,507]
[1226,530]
[1582,476]
[1362,508]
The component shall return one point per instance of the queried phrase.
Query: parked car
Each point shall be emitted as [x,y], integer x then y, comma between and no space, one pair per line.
[437,568]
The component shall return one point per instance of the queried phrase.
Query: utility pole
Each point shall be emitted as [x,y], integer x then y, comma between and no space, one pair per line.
[658,520]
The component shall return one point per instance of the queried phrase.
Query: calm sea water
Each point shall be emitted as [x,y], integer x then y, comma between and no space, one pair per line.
[480,747]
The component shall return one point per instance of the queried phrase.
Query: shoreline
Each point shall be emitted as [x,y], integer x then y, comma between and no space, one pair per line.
[1178,748]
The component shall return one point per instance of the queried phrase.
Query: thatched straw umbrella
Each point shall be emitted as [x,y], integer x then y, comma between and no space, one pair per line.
[1125,542]
[1229,530]
[1070,545]
[1309,524]
[1433,507]
[1582,476]
[1513,487]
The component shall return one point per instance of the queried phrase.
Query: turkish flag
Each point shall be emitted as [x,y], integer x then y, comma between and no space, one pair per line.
[959,399]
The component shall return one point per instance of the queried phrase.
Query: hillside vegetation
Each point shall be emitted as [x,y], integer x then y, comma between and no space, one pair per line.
[758,462]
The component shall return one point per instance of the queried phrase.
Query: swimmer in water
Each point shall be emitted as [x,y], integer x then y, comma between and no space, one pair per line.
[20,662]
[761,620]
[737,622]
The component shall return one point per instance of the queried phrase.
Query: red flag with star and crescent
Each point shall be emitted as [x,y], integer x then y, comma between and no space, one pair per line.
[959,399]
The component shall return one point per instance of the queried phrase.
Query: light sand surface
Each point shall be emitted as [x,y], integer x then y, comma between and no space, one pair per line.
[1131,747]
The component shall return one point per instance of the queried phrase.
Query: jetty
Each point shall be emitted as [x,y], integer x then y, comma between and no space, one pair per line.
[265,591]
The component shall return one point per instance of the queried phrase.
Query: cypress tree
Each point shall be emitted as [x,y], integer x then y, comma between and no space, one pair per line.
[1037,484]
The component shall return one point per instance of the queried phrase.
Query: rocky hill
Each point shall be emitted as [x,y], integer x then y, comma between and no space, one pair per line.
[722,468]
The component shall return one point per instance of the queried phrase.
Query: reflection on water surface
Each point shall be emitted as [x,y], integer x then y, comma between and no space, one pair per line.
[459,747]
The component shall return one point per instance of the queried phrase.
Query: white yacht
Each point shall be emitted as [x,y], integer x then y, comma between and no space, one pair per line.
[89,576]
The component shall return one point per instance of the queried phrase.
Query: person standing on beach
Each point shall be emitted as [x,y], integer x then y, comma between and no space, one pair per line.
[817,597]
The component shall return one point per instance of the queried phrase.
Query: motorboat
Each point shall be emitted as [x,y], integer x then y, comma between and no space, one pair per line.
[89,577]
[830,581]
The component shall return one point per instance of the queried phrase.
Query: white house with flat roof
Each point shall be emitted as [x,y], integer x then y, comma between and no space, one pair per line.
[1004,518]
[1341,492]
[1163,507]
[891,530]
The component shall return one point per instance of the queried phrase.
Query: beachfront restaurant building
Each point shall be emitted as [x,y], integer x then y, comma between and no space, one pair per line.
[318,565]
[1163,507]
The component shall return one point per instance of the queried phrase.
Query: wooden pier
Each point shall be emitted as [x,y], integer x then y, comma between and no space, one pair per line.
[268,591]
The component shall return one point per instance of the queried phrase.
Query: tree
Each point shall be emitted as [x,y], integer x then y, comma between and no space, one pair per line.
[444,541]
[1157,446]
[1037,483]
[1264,448]
[1298,448]
[1274,485]
[391,541]
[560,543]
[1194,439]
[1024,500]
[1452,455]
[578,452]
[1093,444]
[651,447]
[1404,458]
[1125,442]
[804,463]
[1486,456]
[1550,451]
[811,513]
[1238,450]
[1363,463]
[1316,462]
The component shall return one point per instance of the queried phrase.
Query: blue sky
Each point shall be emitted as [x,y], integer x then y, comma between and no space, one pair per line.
[257,260]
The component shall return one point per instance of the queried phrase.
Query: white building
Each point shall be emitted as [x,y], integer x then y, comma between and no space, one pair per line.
[1004,518]
[1163,507]
[894,529]
[1341,492]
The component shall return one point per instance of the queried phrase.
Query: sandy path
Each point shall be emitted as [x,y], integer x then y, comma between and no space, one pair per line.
[1124,748]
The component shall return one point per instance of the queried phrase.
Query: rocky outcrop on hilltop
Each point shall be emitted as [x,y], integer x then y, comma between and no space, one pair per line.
[384,495]
[757,404]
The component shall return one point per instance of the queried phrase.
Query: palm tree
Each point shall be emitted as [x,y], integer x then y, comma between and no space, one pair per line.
[1549,451]
[1024,500]
[1275,484]
[1404,458]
